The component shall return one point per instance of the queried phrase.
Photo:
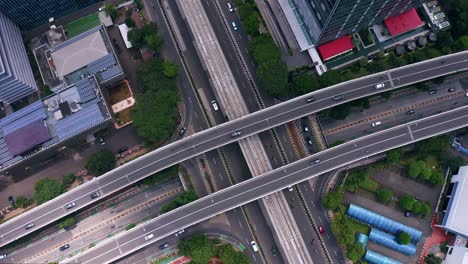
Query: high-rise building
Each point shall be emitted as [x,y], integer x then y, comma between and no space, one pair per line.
[315,22]
[29,14]
[16,76]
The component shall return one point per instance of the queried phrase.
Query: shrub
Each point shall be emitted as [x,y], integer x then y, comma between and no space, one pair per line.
[100,162]
[404,238]
[384,195]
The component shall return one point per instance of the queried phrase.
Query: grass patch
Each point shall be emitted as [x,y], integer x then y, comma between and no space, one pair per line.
[83,24]
[357,227]
[370,185]
[124,116]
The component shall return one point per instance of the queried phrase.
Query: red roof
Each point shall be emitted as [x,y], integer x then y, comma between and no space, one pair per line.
[335,47]
[403,22]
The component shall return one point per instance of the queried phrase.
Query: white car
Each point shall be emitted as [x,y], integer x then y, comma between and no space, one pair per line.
[379,86]
[254,246]
[215,105]
[234,25]
[148,237]
[230,7]
[378,123]
[180,232]
[291,188]
[70,205]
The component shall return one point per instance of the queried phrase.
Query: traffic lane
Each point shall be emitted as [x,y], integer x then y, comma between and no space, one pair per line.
[231,197]
[144,159]
[429,74]
[12,229]
[459,122]
[429,64]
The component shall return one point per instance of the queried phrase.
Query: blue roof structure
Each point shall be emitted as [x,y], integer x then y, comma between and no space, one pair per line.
[390,241]
[381,222]
[110,73]
[36,106]
[27,136]
[102,64]
[376,258]
[363,239]
[78,122]
[85,89]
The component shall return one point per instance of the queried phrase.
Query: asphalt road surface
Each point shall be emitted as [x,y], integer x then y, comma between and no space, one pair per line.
[273,181]
[220,135]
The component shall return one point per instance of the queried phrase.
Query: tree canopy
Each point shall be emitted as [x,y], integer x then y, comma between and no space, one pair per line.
[425,209]
[100,162]
[22,202]
[183,199]
[355,252]
[68,179]
[384,195]
[341,229]
[394,155]
[404,238]
[229,255]
[406,202]
[304,83]
[199,248]
[333,200]
[47,189]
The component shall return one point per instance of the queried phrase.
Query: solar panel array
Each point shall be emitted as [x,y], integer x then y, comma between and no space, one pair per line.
[5,154]
[110,73]
[101,64]
[85,89]
[94,101]
[50,142]
[75,39]
[22,112]
[78,122]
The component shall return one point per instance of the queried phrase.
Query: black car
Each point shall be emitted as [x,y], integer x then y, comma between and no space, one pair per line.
[431,92]
[95,195]
[122,150]
[407,213]
[410,112]
[163,246]
[451,90]
[64,247]
[274,251]
[182,131]
[11,201]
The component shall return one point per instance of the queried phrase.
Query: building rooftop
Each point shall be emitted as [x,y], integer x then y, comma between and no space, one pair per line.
[90,53]
[457,210]
[52,120]
[77,53]
[456,255]
[336,47]
[403,22]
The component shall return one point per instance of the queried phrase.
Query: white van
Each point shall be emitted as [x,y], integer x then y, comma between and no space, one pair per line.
[230,7]
[254,246]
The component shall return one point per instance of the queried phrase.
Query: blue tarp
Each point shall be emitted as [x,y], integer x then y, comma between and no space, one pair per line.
[376,258]
[390,241]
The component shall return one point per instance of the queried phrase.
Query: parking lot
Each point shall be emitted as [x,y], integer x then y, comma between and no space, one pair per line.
[393,177]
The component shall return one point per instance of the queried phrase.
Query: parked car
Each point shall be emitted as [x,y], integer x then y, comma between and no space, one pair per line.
[122,150]
[182,131]
[451,90]
[230,7]
[64,247]
[234,25]
[11,200]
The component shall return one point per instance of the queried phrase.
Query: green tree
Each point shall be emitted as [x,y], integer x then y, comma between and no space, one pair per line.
[437,178]
[404,238]
[199,248]
[339,112]
[432,259]
[425,209]
[47,189]
[111,10]
[130,22]
[154,42]
[384,195]
[394,155]
[304,83]
[461,17]
[158,177]
[406,202]
[138,4]
[251,24]
[426,172]
[273,77]
[170,69]
[229,255]
[416,207]
[357,177]
[68,222]
[416,168]
[22,202]
[333,200]
[355,252]
[341,229]
[183,199]
[155,114]
[100,162]
[438,146]
[136,37]
[330,78]
[68,179]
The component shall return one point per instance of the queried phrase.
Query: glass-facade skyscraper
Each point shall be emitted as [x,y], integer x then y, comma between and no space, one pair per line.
[321,21]
[28,14]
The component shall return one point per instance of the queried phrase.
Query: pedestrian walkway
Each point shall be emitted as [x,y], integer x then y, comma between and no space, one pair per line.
[438,236]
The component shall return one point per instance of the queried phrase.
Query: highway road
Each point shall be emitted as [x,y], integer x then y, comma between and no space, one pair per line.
[220,135]
[274,181]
